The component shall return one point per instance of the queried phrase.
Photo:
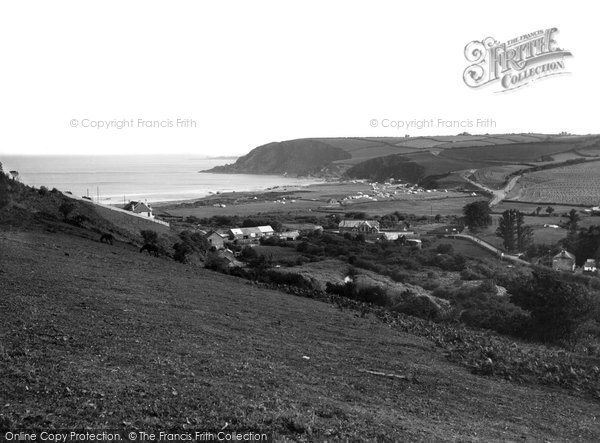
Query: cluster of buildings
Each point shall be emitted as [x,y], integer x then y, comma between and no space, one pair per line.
[372,231]
[219,239]
[565,261]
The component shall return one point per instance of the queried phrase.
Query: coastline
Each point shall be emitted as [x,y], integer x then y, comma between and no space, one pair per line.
[245,192]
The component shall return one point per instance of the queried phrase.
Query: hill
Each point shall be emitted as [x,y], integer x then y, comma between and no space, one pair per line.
[101,336]
[297,157]
[412,158]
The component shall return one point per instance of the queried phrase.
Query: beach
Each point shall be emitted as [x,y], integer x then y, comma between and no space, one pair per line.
[114,180]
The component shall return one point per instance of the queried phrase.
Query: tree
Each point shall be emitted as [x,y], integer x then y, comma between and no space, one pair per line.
[513,231]
[556,307]
[573,220]
[3,188]
[150,237]
[549,210]
[524,233]
[66,208]
[584,244]
[181,251]
[477,215]
[538,210]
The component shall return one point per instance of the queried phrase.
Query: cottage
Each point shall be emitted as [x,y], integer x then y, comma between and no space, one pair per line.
[414,243]
[289,235]
[216,239]
[359,226]
[303,228]
[397,235]
[589,265]
[563,261]
[139,208]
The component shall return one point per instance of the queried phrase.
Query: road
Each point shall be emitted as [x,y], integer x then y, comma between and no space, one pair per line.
[498,194]
[491,248]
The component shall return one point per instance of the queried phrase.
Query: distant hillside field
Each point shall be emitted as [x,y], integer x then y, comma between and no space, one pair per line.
[411,159]
[578,184]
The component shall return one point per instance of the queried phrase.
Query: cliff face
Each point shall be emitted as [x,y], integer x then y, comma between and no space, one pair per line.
[294,157]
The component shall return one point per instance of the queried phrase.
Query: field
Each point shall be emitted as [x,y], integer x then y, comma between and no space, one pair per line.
[418,206]
[509,153]
[100,336]
[313,200]
[576,184]
[495,176]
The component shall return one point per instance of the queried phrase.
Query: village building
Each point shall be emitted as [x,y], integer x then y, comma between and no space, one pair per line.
[303,228]
[250,234]
[289,235]
[397,235]
[563,261]
[140,208]
[414,243]
[216,239]
[589,265]
[359,226]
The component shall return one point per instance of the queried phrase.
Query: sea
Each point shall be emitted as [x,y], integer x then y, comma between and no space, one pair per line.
[150,178]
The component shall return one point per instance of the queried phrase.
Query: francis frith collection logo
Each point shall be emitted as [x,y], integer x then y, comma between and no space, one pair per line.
[515,63]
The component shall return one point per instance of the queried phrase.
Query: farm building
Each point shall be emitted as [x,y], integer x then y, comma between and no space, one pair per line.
[589,265]
[289,235]
[253,233]
[216,239]
[359,226]
[414,243]
[139,208]
[563,261]
[395,235]
[303,228]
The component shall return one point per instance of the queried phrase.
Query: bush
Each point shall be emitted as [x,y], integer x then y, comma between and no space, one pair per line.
[421,307]
[469,274]
[181,251]
[557,307]
[445,248]
[150,237]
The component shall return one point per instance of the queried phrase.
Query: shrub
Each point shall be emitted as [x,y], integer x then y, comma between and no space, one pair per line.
[470,274]
[181,251]
[150,237]
[421,307]
[445,248]
[557,307]
[66,208]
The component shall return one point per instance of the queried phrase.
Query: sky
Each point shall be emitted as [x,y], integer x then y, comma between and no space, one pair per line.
[239,74]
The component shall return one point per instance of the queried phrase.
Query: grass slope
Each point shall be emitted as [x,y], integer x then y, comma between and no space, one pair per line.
[93,335]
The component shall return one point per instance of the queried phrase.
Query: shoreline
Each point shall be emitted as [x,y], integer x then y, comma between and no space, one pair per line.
[241,193]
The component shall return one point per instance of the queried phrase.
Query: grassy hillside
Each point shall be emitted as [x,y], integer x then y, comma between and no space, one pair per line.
[103,336]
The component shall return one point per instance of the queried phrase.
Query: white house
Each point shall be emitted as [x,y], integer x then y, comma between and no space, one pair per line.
[139,208]
[589,265]
[289,235]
